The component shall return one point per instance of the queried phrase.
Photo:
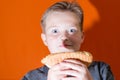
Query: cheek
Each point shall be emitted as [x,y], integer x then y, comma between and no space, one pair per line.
[76,39]
[52,39]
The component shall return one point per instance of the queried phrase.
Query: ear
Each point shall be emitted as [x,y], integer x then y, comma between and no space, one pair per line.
[43,36]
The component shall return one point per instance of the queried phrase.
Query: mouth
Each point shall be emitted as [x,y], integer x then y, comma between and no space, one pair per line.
[66,45]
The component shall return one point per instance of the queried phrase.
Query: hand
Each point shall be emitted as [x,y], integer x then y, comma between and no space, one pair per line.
[72,68]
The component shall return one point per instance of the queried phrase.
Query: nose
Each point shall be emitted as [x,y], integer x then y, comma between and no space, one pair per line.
[64,36]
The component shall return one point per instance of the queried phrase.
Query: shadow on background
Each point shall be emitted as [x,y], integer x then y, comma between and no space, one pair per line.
[103,38]
[21,48]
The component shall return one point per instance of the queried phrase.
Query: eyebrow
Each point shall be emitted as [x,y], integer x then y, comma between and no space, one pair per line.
[53,26]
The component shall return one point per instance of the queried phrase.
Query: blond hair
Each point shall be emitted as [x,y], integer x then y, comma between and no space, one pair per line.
[64,6]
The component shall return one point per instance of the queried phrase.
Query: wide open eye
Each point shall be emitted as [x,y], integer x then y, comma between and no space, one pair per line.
[54,31]
[72,31]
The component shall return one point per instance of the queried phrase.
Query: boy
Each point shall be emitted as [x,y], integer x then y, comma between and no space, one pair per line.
[63,32]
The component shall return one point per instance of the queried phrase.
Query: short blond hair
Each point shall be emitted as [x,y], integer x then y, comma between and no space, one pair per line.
[64,6]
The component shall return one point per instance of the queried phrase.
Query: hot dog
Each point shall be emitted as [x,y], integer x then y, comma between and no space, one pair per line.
[55,58]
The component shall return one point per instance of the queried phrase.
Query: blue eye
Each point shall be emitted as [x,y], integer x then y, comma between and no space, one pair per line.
[55,31]
[72,30]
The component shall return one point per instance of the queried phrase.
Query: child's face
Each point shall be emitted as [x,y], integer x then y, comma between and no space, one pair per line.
[62,32]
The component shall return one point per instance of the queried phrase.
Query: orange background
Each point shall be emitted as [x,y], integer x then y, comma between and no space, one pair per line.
[21,48]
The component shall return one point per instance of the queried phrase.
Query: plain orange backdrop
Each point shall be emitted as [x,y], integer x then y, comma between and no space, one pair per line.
[21,47]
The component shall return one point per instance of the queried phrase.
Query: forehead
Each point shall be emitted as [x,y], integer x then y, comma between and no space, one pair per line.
[59,17]
[61,13]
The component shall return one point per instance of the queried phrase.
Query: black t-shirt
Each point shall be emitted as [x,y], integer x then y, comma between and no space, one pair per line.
[98,70]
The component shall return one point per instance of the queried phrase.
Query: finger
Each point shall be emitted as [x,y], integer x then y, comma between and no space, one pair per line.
[54,72]
[70,73]
[74,66]
[74,61]
[58,67]
[75,74]
[55,67]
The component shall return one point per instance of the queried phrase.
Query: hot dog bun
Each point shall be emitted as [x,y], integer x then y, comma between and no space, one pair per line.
[56,58]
